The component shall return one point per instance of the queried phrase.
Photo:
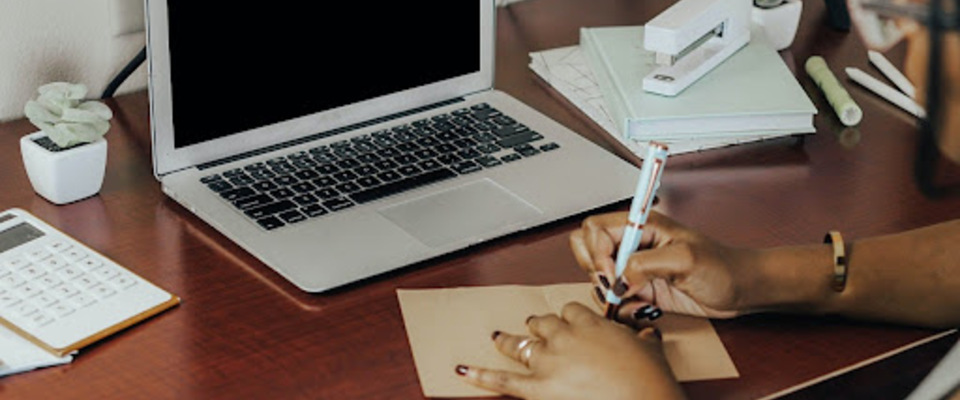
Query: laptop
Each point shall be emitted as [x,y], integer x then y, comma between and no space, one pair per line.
[338,143]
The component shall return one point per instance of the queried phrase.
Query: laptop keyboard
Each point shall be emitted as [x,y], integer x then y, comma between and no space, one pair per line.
[307,184]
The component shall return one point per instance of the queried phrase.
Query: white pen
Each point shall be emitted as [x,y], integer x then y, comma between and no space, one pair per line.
[650,172]
[892,73]
[886,92]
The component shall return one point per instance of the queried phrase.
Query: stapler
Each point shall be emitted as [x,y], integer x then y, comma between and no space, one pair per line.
[691,38]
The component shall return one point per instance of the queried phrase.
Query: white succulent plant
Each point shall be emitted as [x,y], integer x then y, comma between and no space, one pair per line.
[68,120]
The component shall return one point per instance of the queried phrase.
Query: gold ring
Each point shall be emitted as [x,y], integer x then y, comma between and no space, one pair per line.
[525,350]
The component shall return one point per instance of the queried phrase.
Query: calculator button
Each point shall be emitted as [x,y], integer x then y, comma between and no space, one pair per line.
[85,281]
[69,272]
[82,300]
[12,280]
[106,273]
[103,291]
[40,319]
[49,280]
[58,246]
[123,281]
[90,264]
[54,263]
[28,290]
[7,299]
[39,254]
[24,309]
[73,255]
[16,263]
[65,290]
[45,299]
[32,272]
[60,309]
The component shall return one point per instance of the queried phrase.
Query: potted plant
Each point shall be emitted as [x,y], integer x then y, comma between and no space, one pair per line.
[65,160]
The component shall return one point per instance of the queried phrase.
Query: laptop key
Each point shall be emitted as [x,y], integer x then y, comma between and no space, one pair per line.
[220,186]
[466,167]
[488,161]
[265,186]
[252,201]
[235,194]
[327,193]
[549,146]
[389,176]
[314,210]
[348,187]
[304,199]
[428,165]
[402,185]
[292,216]
[270,209]
[511,157]
[282,193]
[337,204]
[210,179]
[519,139]
[270,223]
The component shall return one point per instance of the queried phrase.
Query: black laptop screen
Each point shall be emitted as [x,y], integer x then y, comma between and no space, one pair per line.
[242,65]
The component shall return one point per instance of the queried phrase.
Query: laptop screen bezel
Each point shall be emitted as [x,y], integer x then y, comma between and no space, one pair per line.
[167,158]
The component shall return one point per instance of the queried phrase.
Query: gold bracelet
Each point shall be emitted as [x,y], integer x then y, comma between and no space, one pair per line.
[839,260]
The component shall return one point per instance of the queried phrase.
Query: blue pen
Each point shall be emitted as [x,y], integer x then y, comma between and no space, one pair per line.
[650,173]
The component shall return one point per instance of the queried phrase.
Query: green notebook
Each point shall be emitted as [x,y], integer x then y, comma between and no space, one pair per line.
[751,93]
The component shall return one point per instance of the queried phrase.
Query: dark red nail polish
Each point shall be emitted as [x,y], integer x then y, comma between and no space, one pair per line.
[599,293]
[642,312]
[620,287]
[495,334]
[603,281]
[656,313]
[461,370]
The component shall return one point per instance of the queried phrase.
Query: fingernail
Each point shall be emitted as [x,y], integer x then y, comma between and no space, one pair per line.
[603,281]
[528,319]
[599,293]
[495,334]
[620,287]
[642,312]
[656,313]
[461,370]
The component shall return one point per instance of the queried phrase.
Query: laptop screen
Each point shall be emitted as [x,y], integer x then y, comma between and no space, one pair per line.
[248,65]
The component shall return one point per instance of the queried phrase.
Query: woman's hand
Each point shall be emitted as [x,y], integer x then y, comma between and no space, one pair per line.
[677,269]
[580,355]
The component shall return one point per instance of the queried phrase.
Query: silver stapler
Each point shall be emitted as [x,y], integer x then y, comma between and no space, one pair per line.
[691,38]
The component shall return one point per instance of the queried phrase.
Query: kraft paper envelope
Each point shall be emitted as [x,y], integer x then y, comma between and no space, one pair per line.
[447,327]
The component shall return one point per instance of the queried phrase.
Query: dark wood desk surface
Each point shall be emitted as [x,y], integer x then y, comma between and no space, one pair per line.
[243,332]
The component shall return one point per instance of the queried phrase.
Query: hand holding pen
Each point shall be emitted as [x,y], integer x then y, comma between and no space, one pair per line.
[649,181]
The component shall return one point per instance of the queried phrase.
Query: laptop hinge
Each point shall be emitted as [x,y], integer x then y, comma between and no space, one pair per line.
[326,134]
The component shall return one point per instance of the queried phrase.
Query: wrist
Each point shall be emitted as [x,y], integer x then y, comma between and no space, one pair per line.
[794,279]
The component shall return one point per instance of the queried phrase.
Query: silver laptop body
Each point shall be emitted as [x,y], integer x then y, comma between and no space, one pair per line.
[209,79]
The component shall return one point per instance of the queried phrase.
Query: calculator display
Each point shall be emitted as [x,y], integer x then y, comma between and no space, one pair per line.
[17,235]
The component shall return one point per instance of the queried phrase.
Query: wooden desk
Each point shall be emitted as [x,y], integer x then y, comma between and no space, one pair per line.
[243,332]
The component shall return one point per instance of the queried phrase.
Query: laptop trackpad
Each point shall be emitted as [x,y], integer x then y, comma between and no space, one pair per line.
[471,211]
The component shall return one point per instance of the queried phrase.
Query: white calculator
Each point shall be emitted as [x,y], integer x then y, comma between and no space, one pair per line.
[60,294]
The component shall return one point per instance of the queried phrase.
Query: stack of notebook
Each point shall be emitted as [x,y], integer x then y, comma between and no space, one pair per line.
[751,96]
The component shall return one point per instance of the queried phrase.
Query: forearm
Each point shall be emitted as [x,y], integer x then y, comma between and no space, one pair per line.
[910,278]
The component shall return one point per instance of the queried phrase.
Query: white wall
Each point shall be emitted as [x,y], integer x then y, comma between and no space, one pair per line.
[60,40]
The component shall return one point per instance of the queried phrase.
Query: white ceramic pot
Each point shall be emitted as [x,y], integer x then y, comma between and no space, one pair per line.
[779,24]
[64,176]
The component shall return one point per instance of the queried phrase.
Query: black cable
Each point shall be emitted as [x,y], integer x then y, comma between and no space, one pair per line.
[125,73]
